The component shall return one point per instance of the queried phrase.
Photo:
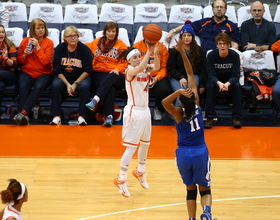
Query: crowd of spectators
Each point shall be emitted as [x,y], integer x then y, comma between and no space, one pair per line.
[216,64]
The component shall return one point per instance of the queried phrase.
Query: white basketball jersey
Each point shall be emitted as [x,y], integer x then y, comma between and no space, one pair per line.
[10,212]
[137,89]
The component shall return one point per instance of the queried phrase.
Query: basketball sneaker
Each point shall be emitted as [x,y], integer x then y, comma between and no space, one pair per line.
[141,178]
[21,119]
[206,216]
[91,105]
[122,186]
[81,121]
[56,121]
[108,121]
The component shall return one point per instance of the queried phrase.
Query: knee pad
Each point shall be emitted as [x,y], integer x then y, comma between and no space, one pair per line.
[192,194]
[206,192]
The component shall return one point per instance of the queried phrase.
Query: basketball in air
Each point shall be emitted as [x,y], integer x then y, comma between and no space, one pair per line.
[152,33]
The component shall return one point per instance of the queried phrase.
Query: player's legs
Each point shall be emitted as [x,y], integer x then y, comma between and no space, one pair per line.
[191,200]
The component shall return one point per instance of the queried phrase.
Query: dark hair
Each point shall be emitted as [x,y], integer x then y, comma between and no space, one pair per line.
[189,106]
[123,54]
[223,37]
[12,192]
[195,55]
[111,25]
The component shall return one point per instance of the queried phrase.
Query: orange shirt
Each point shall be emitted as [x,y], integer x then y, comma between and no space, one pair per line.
[106,62]
[163,57]
[40,61]
[275,47]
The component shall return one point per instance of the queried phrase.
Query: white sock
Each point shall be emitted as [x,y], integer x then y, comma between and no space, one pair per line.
[141,167]
[123,175]
[96,98]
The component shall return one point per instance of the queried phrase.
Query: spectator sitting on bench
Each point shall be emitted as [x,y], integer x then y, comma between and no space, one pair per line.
[72,67]
[223,67]
[108,71]
[35,55]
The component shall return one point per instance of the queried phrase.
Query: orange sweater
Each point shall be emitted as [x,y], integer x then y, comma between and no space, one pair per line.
[163,57]
[275,47]
[40,61]
[107,62]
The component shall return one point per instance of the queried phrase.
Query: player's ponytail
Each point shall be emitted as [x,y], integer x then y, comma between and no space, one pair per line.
[188,105]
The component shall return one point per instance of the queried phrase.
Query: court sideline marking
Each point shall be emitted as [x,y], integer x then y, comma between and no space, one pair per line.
[174,204]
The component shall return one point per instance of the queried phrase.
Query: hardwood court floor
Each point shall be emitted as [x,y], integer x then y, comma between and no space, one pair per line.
[69,171]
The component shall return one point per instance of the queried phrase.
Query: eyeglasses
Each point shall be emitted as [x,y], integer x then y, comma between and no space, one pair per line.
[72,36]
[221,7]
[222,44]
[257,10]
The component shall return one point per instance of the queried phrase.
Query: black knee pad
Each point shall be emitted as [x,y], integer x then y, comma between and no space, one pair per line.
[192,194]
[206,192]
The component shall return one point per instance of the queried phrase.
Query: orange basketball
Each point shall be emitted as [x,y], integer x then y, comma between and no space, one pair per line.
[152,33]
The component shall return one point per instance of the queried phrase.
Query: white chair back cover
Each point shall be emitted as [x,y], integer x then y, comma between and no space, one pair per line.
[17,11]
[258,60]
[50,13]
[15,34]
[243,14]
[81,13]
[123,35]
[86,35]
[276,16]
[230,13]
[54,35]
[150,12]
[139,36]
[181,13]
[119,13]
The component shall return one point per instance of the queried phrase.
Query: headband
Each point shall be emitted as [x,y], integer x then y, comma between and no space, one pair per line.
[132,53]
[22,191]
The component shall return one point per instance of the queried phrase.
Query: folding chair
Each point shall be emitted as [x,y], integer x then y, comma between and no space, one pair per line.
[123,35]
[181,13]
[50,13]
[139,36]
[18,15]
[15,34]
[119,13]
[230,13]
[146,13]
[82,16]
[243,14]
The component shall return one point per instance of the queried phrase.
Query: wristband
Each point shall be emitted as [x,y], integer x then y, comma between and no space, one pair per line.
[76,82]
[6,58]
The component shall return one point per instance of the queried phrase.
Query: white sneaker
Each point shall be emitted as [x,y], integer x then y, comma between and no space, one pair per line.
[141,178]
[157,114]
[81,121]
[122,186]
[56,121]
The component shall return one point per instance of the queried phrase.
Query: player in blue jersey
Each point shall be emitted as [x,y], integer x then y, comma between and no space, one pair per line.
[192,153]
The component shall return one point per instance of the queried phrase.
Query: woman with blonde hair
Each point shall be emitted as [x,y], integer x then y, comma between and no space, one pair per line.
[14,196]
[35,60]
[72,66]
